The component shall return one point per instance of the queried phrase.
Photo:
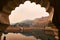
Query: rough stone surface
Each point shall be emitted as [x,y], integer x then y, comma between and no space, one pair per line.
[4,18]
[6,6]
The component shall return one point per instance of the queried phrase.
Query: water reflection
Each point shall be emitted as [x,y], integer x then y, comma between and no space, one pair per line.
[17,36]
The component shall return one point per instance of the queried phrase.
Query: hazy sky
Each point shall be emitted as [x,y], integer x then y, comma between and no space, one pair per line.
[27,11]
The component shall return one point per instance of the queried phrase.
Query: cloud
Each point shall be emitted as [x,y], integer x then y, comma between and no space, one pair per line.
[27,11]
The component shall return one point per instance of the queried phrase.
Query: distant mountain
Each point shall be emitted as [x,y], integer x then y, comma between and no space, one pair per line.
[37,22]
[27,21]
[24,23]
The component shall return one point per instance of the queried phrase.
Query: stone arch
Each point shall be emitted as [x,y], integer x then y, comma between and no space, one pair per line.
[15,3]
[10,5]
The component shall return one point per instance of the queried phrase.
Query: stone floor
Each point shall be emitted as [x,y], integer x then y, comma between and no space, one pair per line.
[18,36]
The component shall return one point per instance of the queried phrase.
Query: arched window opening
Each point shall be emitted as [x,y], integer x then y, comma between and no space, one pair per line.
[27,11]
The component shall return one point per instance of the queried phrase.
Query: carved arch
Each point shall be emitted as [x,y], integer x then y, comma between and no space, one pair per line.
[10,5]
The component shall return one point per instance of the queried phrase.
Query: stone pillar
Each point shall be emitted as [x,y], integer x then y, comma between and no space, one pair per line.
[4,22]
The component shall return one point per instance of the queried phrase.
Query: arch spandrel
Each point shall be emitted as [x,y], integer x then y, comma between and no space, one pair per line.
[11,5]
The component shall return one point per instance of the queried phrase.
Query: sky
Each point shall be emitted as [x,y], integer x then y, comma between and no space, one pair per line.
[27,11]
